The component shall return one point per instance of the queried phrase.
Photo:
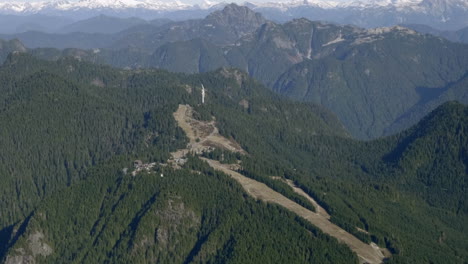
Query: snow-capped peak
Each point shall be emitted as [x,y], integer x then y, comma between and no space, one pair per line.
[34,7]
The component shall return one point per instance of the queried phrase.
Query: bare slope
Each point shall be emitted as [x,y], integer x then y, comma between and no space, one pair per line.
[204,135]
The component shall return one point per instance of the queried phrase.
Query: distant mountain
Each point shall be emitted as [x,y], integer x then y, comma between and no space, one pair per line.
[37,39]
[375,78]
[190,56]
[456,36]
[222,27]
[102,24]
[16,23]
[463,35]
[159,22]
[441,14]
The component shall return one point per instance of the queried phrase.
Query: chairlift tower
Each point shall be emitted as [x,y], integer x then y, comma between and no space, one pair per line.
[202,94]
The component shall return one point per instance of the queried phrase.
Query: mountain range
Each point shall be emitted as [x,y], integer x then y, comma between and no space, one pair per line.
[339,67]
[441,14]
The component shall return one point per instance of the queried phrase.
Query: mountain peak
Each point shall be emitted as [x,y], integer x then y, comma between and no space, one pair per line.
[241,18]
[240,13]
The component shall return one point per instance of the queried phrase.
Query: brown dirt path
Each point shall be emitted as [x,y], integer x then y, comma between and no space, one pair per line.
[318,209]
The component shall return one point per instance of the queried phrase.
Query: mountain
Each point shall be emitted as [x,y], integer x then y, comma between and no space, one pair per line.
[456,36]
[12,24]
[463,34]
[37,39]
[222,27]
[425,168]
[89,172]
[359,72]
[441,14]
[69,90]
[102,24]
[193,56]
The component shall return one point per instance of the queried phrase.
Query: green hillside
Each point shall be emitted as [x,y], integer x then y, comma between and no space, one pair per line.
[184,217]
[71,128]
[60,118]
[408,190]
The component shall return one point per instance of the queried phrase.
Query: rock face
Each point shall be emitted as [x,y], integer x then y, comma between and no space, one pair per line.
[35,247]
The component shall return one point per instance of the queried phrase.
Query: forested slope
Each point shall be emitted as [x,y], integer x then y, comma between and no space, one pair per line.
[60,118]
[73,123]
[183,217]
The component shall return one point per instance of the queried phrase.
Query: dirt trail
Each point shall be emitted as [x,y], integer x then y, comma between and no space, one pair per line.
[318,209]
[208,136]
